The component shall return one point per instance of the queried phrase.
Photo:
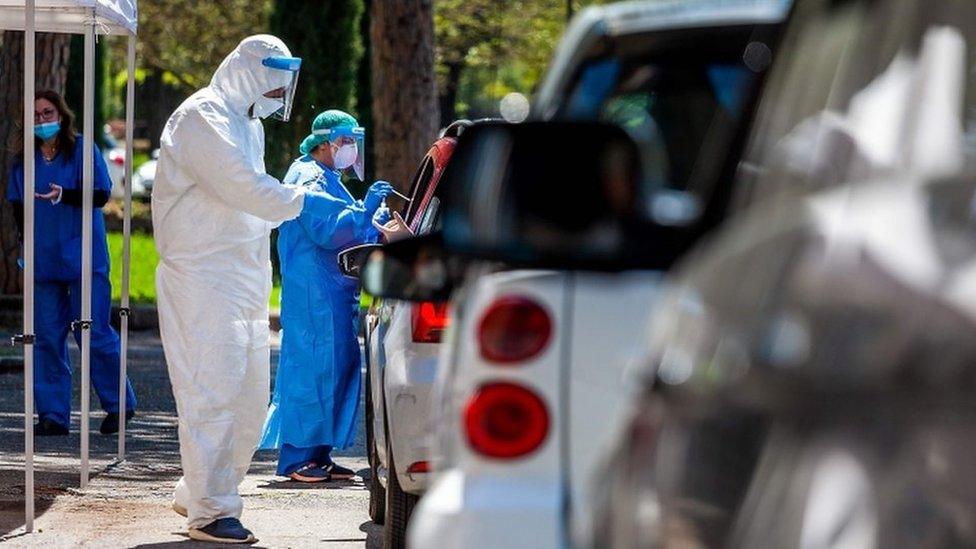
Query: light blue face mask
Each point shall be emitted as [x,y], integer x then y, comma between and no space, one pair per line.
[47,130]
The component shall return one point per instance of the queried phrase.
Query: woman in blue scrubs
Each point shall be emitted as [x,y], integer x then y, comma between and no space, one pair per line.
[57,279]
[316,394]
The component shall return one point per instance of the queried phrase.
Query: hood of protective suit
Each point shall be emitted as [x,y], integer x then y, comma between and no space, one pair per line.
[241,78]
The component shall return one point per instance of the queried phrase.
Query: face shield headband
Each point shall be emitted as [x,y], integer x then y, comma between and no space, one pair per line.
[358,136]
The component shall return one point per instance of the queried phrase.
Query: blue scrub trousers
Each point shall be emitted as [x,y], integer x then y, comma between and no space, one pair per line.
[291,458]
[56,305]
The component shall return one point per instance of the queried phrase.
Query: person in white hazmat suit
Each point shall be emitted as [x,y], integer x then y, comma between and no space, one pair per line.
[213,209]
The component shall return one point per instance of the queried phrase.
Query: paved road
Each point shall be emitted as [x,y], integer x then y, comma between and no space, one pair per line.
[127,505]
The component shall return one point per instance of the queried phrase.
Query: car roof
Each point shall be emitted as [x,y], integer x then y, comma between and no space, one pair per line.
[645,16]
[596,24]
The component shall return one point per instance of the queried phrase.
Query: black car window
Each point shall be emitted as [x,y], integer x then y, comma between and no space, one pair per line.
[419,188]
[431,216]
[684,105]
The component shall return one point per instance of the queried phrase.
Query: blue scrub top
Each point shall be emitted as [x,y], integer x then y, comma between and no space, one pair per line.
[308,248]
[57,229]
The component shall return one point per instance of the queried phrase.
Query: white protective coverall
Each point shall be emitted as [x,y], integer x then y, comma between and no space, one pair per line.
[213,210]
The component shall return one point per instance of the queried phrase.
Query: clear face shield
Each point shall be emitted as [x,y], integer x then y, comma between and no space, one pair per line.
[278,102]
[348,148]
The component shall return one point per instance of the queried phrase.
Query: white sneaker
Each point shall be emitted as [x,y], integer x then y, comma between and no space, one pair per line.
[179,509]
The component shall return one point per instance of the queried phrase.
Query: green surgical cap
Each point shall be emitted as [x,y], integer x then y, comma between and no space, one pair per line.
[325,121]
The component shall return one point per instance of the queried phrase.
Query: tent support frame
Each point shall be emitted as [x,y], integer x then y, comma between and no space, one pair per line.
[126,236]
[27,338]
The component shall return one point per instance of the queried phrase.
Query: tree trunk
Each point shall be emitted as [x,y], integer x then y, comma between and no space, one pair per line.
[156,101]
[448,97]
[405,110]
[52,51]
[364,94]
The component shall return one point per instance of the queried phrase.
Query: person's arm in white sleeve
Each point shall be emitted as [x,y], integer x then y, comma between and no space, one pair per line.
[222,169]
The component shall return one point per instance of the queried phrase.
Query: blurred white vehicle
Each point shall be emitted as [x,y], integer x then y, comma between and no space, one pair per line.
[114,155]
[532,383]
[145,175]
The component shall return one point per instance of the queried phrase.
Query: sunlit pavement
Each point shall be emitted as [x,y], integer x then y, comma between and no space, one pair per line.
[127,505]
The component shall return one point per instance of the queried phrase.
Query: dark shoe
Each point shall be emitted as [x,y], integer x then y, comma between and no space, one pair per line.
[225,530]
[338,472]
[310,472]
[110,425]
[49,428]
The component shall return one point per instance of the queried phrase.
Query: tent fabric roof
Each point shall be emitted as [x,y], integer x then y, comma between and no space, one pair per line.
[69,16]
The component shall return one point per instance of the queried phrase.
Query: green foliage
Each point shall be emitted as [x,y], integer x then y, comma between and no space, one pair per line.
[189,38]
[499,46]
[180,44]
[327,37]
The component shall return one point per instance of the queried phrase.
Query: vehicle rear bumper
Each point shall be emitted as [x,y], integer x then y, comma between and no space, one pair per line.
[487,511]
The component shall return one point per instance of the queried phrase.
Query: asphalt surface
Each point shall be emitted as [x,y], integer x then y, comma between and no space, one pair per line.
[127,504]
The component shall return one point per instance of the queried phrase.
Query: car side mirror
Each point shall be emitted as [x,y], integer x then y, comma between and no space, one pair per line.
[567,195]
[351,260]
[413,269]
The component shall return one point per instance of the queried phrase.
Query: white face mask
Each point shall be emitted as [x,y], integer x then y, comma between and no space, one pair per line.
[266,106]
[346,156]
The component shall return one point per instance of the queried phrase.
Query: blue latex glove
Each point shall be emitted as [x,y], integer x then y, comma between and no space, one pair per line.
[381,216]
[375,195]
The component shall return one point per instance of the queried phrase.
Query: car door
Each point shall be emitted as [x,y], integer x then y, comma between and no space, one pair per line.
[382,313]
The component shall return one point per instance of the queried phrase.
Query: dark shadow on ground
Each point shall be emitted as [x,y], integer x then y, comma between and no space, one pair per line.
[186,542]
[12,515]
[288,484]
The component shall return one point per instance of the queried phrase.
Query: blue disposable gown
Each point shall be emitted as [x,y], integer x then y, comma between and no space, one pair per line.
[317,384]
[57,287]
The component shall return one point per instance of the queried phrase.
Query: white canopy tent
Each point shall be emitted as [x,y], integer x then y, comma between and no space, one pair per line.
[91,18]
[116,17]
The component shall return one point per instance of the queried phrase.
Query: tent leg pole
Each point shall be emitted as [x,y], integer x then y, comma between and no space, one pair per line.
[126,236]
[29,62]
[86,243]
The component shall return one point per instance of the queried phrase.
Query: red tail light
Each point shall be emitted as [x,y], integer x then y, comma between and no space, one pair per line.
[513,329]
[504,420]
[419,467]
[429,322]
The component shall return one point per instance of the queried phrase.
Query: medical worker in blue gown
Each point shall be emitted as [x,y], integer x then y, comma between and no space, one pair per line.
[316,395]
[57,277]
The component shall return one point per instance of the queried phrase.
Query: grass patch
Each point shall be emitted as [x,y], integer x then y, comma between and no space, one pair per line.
[275,302]
[142,280]
[138,159]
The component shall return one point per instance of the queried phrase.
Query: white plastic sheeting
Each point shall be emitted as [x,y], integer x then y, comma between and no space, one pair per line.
[69,16]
